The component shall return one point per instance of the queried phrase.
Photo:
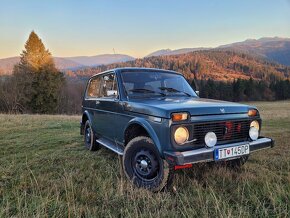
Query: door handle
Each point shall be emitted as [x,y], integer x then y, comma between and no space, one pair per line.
[97,102]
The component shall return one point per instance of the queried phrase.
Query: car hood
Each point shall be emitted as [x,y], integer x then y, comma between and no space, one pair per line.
[163,107]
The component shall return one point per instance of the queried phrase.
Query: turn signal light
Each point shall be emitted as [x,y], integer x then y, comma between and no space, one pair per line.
[252,112]
[179,116]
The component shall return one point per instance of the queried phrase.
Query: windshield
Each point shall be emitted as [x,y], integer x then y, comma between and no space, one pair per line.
[150,84]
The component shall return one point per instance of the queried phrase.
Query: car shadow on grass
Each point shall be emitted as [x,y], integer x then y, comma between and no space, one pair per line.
[209,174]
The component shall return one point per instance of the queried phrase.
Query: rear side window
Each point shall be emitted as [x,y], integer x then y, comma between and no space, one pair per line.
[94,88]
[109,86]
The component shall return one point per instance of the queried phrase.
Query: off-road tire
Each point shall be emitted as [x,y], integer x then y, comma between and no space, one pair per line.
[160,171]
[90,138]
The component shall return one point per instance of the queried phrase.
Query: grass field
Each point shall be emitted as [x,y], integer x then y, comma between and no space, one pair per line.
[46,172]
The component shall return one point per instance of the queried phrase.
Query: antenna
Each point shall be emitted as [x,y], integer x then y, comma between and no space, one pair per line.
[114,51]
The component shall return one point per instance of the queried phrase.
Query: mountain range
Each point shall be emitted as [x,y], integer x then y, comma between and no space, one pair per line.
[219,65]
[274,49]
[70,63]
[164,52]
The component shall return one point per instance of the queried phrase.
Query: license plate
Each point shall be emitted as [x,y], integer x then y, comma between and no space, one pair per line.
[229,152]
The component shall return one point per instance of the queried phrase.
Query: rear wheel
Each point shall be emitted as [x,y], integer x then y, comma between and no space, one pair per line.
[143,165]
[90,138]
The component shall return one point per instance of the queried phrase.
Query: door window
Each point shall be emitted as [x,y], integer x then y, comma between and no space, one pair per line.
[109,86]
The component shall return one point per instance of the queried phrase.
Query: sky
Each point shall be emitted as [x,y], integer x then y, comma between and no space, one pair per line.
[137,27]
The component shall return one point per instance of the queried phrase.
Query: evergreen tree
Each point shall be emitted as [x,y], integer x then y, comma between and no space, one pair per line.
[37,78]
[35,56]
[238,90]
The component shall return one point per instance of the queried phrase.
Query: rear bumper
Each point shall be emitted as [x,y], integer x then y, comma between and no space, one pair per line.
[207,154]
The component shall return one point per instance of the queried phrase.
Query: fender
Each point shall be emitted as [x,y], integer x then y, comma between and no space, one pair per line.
[85,113]
[146,125]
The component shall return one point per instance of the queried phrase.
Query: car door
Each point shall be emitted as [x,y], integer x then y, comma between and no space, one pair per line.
[108,107]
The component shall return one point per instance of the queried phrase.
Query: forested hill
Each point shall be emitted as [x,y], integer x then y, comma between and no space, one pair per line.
[202,65]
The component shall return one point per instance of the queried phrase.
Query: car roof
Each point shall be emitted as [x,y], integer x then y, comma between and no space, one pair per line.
[121,69]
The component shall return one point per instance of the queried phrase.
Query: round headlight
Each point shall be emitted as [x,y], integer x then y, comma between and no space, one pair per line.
[254,133]
[210,139]
[255,124]
[181,135]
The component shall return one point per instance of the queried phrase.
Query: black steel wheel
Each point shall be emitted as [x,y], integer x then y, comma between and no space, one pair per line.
[143,165]
[89,138]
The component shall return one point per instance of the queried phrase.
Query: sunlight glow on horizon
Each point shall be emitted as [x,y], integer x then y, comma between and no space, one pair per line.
[137,28]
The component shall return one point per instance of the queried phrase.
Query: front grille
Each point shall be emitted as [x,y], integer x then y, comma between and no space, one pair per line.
[226,131]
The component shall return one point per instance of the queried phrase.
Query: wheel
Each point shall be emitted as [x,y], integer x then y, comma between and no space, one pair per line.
[89,137]
[237,163]
[143,165]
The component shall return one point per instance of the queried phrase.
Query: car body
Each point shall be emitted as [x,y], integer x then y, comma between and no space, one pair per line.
[180,128]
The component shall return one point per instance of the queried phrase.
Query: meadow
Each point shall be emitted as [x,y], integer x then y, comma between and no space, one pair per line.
[45,171]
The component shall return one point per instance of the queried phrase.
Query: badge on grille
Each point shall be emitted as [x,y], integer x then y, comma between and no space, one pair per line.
[222,110]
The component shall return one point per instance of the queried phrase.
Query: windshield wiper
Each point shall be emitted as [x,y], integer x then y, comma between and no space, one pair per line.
[174,90]
[141,90]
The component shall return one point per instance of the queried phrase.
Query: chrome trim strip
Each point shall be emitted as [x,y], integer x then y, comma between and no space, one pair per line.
[210,150]
[261,140]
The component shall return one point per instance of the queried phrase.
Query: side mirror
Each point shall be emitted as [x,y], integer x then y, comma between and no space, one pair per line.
[197,92]
[112,93]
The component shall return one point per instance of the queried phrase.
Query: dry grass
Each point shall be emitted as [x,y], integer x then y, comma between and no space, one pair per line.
[46,172]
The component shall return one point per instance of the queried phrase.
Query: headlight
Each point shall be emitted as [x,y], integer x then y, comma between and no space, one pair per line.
[254,133]
[254,130]
[181,135]
[255,124]
[210,139]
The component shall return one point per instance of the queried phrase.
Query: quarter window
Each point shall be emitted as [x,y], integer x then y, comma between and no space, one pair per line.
[94,88]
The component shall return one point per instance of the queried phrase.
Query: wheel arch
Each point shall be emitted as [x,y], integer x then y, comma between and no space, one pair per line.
[86,116]
[147,127]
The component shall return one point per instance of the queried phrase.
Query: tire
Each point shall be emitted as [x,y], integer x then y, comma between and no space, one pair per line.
[90,138]
[237,163]
[143,165]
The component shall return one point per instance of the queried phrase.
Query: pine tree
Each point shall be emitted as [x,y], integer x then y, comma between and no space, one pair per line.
[37,78]
[35,56]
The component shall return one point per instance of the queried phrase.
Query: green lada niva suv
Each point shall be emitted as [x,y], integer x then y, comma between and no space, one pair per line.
[157,123]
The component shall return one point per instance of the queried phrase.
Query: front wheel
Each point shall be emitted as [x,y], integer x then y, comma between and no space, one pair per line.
[143,165]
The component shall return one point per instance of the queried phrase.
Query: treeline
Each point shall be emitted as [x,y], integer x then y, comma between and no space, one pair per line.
[243,90]
[66,99]
[69,97]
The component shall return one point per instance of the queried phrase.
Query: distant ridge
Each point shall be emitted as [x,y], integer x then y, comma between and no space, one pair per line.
[100,59]
[272,48]
[70,63]
[275,49]
[163,52]
[218,65]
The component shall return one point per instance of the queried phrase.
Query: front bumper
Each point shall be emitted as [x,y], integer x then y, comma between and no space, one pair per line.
[207,154]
